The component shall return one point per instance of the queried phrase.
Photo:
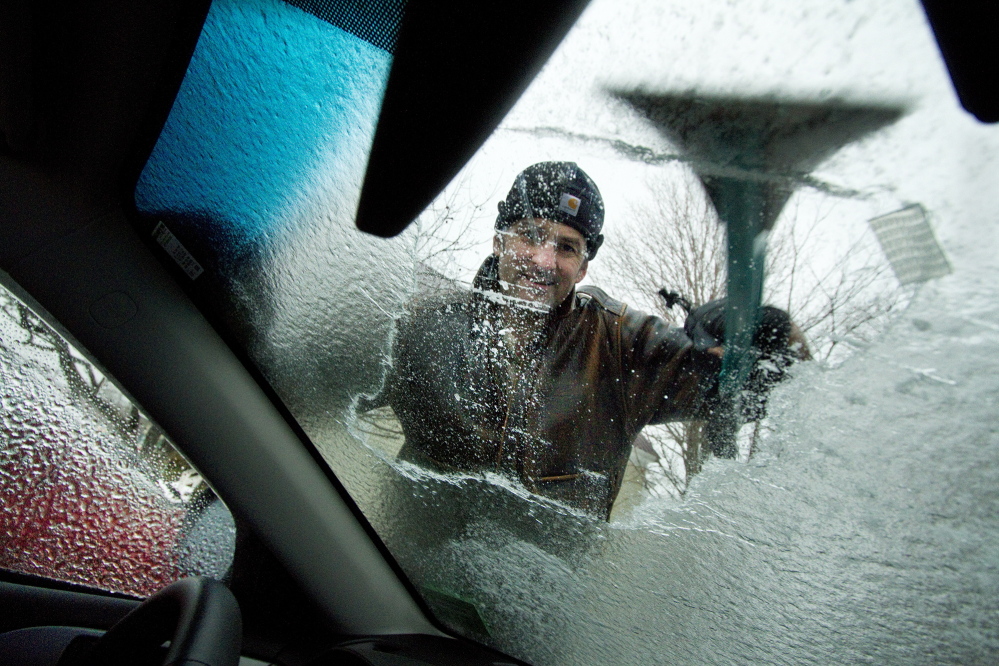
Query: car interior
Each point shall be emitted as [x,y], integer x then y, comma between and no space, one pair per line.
[86,90]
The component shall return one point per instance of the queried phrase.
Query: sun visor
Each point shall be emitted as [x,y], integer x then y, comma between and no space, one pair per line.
[458,69]
[965,33]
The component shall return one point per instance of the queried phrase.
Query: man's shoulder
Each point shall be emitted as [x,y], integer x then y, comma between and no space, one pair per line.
[598,299]
[632,323]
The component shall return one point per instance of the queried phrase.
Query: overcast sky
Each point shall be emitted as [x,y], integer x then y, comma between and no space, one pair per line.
[802,49]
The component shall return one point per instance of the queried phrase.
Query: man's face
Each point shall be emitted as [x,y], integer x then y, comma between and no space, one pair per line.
[540,260]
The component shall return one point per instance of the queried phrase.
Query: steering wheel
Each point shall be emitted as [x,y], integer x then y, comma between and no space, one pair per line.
[199,616]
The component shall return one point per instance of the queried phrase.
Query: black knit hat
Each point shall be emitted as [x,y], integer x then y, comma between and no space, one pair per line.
[557,191]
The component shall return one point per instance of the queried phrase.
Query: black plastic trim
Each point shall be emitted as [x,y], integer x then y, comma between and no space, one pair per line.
[458,69]
[966,34]
[30,601]
[185,40]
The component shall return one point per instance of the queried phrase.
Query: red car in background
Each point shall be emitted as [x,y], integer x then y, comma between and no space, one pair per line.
[92,492]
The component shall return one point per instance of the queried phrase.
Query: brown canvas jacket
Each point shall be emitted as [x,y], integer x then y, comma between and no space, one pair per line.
[560,417]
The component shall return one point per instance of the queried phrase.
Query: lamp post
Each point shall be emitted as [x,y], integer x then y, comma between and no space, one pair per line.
[750,154]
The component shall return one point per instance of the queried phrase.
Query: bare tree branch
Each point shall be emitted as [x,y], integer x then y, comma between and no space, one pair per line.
[677,243]
[442,233]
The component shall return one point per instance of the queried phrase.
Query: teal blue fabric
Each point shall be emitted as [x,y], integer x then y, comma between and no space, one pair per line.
[275,104]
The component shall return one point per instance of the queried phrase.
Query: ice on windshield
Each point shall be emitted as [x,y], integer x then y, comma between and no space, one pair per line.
[93,492]
[857,507]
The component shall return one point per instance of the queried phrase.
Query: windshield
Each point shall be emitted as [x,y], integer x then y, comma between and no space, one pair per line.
[563,469]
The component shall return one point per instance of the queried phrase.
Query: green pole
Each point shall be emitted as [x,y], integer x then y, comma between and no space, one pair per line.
[741,205]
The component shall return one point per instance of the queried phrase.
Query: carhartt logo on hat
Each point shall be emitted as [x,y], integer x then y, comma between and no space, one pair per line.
[569,204]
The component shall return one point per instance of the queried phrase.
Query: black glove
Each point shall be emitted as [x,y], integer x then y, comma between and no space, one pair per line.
[705,327]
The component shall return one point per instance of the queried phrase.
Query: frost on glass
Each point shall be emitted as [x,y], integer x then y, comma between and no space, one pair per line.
[91,491]
[258,171]
[857,522]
